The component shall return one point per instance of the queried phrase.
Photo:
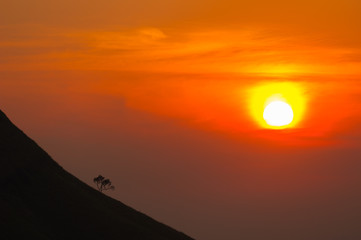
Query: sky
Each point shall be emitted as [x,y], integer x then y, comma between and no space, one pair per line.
[160,97]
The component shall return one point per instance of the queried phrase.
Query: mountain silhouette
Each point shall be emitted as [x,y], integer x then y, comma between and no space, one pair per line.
[40,200]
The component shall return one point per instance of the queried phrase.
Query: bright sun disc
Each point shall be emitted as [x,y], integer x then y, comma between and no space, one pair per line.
[277,105]
[278,113]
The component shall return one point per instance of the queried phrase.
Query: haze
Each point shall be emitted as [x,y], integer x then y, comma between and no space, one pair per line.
[155,94]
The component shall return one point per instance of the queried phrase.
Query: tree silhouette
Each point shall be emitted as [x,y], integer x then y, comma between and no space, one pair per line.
[103,184]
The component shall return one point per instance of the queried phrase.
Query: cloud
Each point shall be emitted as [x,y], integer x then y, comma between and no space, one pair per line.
[247,51]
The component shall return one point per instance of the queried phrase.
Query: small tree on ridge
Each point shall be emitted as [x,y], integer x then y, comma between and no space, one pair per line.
[103,184]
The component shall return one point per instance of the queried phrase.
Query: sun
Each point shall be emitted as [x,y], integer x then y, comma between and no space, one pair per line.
[277,105]
[278,114]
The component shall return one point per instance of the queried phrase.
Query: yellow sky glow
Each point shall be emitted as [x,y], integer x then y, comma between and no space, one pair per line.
[288,92]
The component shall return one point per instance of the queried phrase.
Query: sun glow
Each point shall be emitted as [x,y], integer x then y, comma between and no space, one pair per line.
[277,105]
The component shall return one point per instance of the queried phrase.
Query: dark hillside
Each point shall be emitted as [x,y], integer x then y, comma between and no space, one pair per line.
[40,200]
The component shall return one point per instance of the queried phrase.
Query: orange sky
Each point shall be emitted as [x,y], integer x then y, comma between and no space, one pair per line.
[162,89]
[200,76]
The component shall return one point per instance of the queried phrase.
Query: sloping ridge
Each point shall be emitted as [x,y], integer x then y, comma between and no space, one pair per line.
[40,200]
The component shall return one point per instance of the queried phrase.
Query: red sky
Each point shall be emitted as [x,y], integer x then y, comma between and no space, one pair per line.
[155,95]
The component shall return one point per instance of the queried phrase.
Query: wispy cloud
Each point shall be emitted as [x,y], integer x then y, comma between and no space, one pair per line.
[254,51]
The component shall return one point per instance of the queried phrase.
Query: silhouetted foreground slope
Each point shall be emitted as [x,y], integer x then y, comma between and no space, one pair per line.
[40,200]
